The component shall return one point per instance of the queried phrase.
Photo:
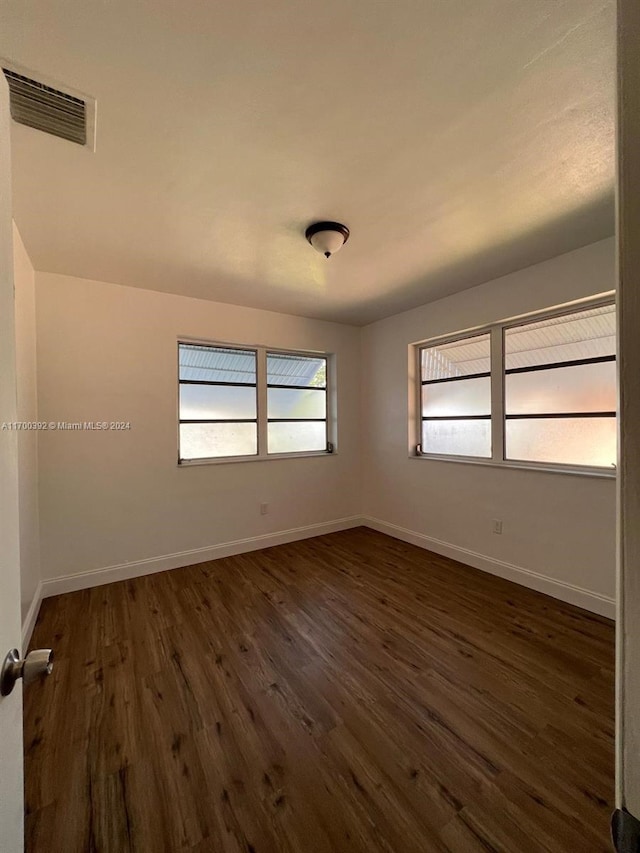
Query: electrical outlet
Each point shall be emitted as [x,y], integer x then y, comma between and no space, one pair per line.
[264,509]
[497,525]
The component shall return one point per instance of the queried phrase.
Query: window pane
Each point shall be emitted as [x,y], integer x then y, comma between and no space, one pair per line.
[217,364]
[203,441]
[284,369]
[584,334]
[296,403]
[464,397]
[226,402]
[460,438]
[294,437]
[582,388]
[566,441]
[459,358]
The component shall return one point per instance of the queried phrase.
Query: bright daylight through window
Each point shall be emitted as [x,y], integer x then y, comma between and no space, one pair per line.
[297,403]
[238,402]
[456,397]
[557,405]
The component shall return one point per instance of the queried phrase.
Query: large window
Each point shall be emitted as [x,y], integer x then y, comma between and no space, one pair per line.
[540,391]
[237,402]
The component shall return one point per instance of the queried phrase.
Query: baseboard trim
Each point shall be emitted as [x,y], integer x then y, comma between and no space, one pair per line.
[30,619]
[137,568]
[588,600]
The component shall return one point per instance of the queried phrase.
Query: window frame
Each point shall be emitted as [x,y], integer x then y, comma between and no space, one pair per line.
[496,331]
[261,387]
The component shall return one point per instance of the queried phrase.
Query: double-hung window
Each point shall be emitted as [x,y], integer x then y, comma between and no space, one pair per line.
[539,391]
[242,402]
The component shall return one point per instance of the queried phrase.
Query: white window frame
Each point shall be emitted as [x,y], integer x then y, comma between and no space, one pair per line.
[497,367]
[261,403]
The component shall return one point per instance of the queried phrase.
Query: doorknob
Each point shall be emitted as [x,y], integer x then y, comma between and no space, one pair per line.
[37,664]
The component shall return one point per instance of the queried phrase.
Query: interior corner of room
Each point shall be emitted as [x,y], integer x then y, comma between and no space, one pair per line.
[132,511]
[292,479]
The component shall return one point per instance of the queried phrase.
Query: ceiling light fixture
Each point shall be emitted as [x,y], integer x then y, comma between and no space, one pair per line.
[327,237]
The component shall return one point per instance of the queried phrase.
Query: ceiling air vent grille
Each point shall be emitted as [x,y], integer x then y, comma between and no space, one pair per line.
[40,106]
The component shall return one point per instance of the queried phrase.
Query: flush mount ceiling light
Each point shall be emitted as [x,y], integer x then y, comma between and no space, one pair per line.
[327,237]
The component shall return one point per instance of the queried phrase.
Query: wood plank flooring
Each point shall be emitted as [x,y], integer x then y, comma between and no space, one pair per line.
[345,693]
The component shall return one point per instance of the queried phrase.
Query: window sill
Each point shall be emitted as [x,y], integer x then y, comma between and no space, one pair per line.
[225,460]
[598,473]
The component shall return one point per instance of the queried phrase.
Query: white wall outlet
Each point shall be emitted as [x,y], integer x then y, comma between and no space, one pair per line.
[264,509]
[497,525]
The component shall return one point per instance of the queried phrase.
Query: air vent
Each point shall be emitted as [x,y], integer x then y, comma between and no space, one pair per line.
[40,106]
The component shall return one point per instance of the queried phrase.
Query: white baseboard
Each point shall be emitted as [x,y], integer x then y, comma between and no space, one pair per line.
[137,568]
[588,600]
[30,619]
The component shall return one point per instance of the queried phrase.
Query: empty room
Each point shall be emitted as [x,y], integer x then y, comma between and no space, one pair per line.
[318,427]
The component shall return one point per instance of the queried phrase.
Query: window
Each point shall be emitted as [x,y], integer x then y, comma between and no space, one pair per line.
[239,402]
[296,403]
[560,389]
[540,391]
[456,397]
[218,402]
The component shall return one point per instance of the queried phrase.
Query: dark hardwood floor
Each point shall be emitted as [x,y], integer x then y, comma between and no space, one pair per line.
[345,693]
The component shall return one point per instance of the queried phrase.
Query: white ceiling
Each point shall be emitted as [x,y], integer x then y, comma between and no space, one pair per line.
[459,140]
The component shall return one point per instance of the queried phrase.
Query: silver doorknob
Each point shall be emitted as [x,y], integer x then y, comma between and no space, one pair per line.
[37,664]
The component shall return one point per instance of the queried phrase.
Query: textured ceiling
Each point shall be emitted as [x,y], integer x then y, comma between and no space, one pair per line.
[458,140]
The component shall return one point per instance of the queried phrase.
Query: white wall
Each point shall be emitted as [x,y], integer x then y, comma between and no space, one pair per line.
[109,353]
[27,411]
[555,525]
